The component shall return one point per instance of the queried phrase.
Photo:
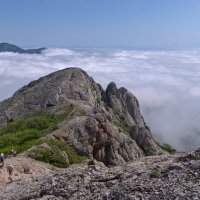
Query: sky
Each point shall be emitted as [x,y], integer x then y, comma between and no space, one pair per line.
[139,24]
[152,45]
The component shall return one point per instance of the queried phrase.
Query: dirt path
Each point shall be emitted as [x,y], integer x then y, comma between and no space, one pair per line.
[25,167]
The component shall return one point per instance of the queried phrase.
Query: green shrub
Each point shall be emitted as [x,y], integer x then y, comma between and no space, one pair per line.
[24,133]
[19,141]
[54,155]
[39,122]
[148,151]
[167,147]
[73,157]
[28,132]
[154,174]
[31,122]
[11,127]
[116,112]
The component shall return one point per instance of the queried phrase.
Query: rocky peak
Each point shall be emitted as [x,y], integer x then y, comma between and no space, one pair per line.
[125,102]
[50,92]
[110,127]
[112,88]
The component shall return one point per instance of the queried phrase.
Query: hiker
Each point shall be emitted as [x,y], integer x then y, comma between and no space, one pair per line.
[10,171]
[14,152]
[91,159]
[91,163]
[1,159]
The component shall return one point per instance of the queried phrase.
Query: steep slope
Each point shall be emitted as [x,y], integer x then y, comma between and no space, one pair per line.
[105,124]
[6,47]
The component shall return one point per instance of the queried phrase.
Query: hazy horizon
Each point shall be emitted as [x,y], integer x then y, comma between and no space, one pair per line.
[165,82]
[153,46]
[105,48]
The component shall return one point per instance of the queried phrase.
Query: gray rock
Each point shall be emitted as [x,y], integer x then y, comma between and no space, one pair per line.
[96,135]
[110,127]
[177,180]
[125,103]
[50,92]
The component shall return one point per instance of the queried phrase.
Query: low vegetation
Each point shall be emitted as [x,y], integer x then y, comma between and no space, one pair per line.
[55,153]
[148,151]
[167,147]
[28,132]
[154,174]
[22,134]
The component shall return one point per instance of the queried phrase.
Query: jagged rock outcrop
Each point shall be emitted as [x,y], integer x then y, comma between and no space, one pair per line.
[108,124]
[160,177]
[98,136]
[125,103]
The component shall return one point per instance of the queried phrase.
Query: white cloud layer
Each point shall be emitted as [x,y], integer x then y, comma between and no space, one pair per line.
[167,83]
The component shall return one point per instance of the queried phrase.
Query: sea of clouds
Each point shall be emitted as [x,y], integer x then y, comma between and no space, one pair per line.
[167,83]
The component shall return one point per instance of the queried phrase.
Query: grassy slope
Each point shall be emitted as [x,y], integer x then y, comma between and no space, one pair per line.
[28,132]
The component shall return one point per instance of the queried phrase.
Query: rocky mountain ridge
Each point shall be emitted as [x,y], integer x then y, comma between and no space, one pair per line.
[109,125]
[6,47]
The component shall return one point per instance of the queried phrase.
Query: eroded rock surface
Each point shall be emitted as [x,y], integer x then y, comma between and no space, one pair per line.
[98,136]
[158,177]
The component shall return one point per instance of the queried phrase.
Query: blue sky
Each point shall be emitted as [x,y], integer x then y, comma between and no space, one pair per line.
[151,24]
[165,82]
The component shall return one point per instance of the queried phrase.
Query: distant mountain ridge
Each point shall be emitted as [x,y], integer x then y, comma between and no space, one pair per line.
[6,47]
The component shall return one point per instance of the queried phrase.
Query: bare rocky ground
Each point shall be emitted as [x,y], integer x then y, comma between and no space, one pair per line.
[25,167]
[154,177]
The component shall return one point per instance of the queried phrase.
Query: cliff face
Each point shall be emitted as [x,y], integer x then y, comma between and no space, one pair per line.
[108,124]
